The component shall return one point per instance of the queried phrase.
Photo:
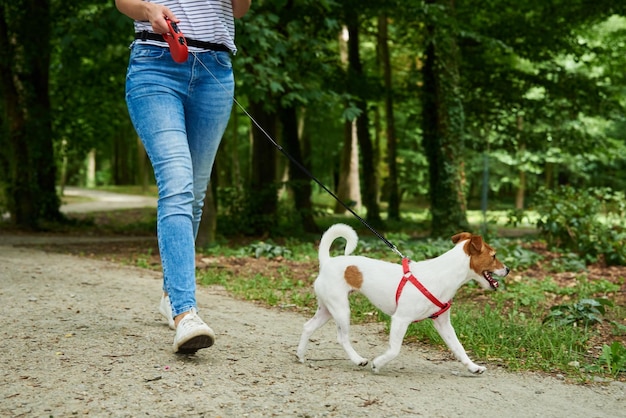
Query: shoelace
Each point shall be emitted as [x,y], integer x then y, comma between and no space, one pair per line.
[190,321]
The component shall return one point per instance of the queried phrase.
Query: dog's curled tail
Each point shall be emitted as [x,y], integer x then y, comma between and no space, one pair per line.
[337,231]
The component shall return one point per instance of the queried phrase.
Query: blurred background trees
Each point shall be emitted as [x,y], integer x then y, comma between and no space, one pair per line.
[437,104]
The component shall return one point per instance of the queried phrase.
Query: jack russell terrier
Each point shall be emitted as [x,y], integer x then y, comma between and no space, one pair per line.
[407,293]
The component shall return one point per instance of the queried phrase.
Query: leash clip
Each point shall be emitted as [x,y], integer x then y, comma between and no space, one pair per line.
[177,42]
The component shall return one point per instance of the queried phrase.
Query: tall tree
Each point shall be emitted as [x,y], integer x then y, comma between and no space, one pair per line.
[443,121]
[30,171]
[263,197]
[393,211]
[348,184]
[298,179]
[356,88]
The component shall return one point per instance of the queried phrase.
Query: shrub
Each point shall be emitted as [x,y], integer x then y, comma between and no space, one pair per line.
[585,312]
[586,222]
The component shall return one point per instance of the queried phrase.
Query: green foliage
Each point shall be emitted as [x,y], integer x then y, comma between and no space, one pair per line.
[568,262]
[584,312]
[238,214]
[514,254]
[570,219]
[614,358]
[267,250]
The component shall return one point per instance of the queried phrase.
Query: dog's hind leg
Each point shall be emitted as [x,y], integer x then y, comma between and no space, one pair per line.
[339,308]
[397,330]
[446,331]
[319,319]
[342,319]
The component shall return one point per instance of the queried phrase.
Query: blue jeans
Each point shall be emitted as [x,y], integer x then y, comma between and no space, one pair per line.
[180,112]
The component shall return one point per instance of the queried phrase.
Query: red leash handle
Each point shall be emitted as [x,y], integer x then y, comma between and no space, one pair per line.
[176,41]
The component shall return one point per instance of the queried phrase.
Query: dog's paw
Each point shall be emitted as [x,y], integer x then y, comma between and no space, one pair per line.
[363,362]
[476,369]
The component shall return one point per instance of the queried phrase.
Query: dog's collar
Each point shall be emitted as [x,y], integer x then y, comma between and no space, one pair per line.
[409,277]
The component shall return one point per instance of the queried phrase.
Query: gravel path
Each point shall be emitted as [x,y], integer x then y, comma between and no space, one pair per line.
[84,337]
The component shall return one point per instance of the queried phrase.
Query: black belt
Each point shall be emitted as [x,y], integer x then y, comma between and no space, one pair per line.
[145,35]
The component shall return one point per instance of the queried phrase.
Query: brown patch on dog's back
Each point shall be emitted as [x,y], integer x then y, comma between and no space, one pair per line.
[353,277]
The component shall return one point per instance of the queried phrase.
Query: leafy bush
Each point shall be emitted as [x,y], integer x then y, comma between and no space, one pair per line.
[567,262]
[585,312]
[514,255]
[238,213]
[570,219]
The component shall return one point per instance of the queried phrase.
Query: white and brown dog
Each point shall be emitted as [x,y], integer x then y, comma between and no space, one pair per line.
[385,285]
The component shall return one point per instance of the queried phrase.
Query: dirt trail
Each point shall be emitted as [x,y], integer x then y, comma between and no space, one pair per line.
[83,337]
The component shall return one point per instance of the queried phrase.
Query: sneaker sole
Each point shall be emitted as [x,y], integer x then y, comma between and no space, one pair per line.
[195,344]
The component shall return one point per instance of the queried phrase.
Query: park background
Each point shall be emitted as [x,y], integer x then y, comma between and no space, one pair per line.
[423,117]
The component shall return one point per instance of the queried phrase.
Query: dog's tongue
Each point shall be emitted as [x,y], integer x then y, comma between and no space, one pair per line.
[492,282]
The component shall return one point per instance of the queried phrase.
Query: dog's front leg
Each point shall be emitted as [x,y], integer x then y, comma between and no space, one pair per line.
[447,333]
[397,330]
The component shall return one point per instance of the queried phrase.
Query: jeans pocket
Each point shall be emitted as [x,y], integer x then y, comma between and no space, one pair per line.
[146,52]
[223,59]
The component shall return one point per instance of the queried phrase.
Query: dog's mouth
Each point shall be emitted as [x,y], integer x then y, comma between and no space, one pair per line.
[492,282]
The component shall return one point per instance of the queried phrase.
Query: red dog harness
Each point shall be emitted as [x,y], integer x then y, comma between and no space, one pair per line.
[409,277]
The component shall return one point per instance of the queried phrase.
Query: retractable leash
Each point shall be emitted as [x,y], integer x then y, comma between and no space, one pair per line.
[179,51]
[177,42]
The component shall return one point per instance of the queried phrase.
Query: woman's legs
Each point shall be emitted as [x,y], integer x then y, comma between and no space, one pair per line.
[180,113]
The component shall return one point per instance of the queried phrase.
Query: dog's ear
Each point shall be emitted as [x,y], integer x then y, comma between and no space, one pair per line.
[476,244]
[462,236]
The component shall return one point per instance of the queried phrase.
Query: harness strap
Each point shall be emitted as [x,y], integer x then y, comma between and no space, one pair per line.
[409,277]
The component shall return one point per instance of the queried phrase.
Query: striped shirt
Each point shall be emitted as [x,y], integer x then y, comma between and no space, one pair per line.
[202,20]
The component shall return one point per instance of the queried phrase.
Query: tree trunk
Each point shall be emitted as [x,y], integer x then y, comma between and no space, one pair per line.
[24,65]
[355,81]
[348,180]
[90,174]
[348,185]
[263,199]
[393,210]
[299,181]
[521,187]
[443,124]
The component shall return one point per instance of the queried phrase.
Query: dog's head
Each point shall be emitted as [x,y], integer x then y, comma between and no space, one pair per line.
[483,261]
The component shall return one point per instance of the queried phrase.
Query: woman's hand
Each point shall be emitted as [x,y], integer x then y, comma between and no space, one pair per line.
[148,12]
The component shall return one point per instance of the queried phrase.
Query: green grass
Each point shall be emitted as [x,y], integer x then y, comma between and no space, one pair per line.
[516,340]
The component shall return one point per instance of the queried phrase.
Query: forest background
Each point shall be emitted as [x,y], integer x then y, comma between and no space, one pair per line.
[437,104]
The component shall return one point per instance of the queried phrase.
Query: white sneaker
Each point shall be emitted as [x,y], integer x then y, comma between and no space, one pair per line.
[192,334]
[166,310]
